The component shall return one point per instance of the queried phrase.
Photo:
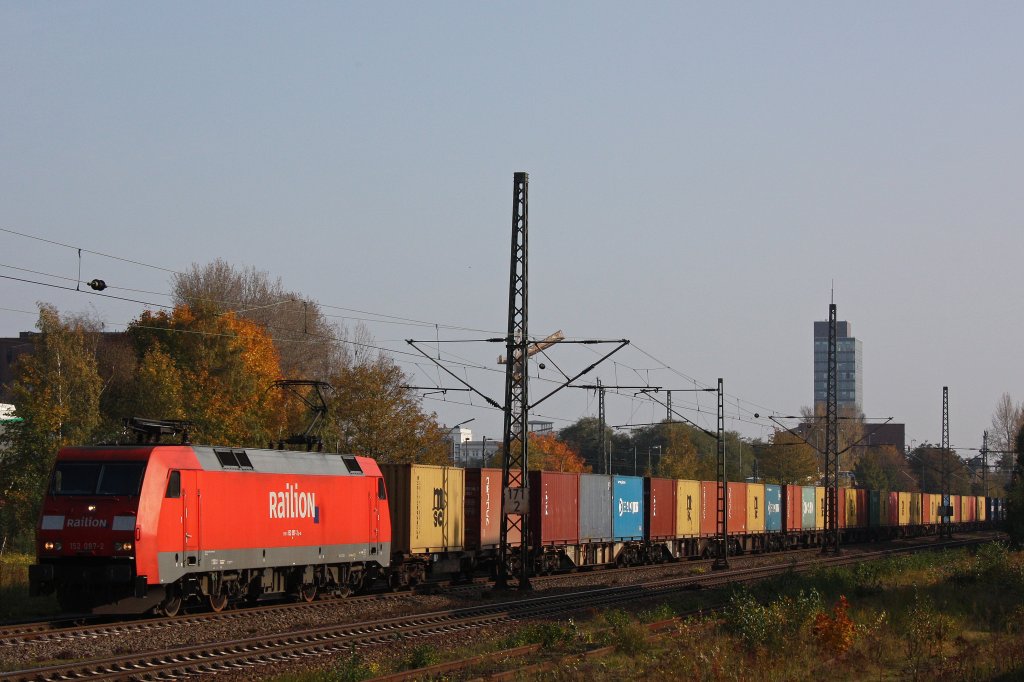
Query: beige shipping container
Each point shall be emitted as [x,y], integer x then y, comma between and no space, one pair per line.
[687,508]
[427,507]
[819,512]
[979,514]
[915,509]
[904,511]
[755,507]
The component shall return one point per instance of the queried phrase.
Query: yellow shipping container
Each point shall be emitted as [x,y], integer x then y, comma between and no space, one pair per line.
[904,514]
[966,507]
[850,507]
[933,507]
[687,508]
[819,511]
[427,507]
[980,513]
[755,507]
[915,509]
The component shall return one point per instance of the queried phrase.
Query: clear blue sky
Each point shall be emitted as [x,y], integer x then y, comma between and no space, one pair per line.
[700,174]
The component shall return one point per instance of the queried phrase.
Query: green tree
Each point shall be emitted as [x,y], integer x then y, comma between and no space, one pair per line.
[56,389]
[679,456]
[928,463]
[789,460]
[884,468]
[373,414]
[584,436]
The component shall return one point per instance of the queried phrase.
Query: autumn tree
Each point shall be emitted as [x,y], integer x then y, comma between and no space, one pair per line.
[307,343]
[56,389]
[851,432]
[546,452]
[788,459]
[209,368]
[1015,494]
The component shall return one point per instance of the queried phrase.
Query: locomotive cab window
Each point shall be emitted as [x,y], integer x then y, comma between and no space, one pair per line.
[173,485]
[114,479]
[381,492]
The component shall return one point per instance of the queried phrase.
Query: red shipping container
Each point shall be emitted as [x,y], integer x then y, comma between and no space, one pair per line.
[483,510]
[659,508]
[554,508]
[862,508]
[736,508]
[792,517]
[841,507]
[894,508]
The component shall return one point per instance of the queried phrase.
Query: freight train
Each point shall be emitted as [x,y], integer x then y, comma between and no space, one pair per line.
[155,527]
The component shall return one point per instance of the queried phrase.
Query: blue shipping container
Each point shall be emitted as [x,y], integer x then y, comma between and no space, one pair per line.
[810,519]
[628,508]
[772,508]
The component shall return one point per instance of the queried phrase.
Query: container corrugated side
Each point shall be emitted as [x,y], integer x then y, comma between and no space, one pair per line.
[427,507]
[849,508]
[894,509]
[904,509]
[688,508]
[483,510]
[862,508]
[819,507]
[554,508]
[808,507]
[736,508]
[915,509]
[595,508]
[772,508]
[659,508]
[628,508]
[755,507]
[979,511]
[874,509]
[792,514]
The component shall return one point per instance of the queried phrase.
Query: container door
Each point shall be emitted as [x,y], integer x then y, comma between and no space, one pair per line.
[190,517]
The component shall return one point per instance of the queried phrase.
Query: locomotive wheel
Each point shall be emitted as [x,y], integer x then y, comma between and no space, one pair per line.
[218,602]
[170,606]
[307,592]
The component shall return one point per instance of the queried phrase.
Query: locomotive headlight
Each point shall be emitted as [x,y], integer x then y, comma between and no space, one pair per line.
[122,546]
[51,546]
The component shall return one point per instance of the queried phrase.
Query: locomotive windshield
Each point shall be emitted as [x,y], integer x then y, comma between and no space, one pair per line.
[98,478]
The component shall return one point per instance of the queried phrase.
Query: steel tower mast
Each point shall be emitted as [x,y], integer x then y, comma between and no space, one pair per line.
[514,481]
[831,542]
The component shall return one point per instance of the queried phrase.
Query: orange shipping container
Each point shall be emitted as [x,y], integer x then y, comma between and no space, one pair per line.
[736,508]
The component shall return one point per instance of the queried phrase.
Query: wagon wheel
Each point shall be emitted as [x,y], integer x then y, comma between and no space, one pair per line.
[307,592]
[218,602]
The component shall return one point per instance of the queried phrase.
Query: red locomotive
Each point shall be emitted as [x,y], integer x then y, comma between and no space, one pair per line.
[139,527]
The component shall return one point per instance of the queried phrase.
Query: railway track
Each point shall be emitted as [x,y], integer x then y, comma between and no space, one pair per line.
[249,652]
